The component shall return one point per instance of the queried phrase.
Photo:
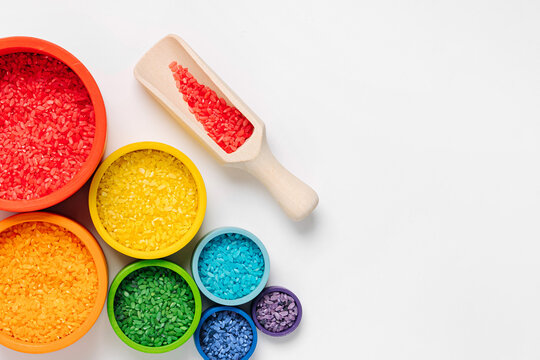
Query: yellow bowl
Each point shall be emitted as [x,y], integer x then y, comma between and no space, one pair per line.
[201,192]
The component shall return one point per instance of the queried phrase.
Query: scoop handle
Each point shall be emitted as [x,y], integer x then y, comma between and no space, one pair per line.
[295,197]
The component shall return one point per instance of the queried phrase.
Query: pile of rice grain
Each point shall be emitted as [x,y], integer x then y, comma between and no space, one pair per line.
[147,200]
[48,282]
[47,125]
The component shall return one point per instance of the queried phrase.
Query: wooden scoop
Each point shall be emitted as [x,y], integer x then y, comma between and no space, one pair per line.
[295,197]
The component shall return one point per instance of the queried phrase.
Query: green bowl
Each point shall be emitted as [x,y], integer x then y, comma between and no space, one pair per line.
[157,263]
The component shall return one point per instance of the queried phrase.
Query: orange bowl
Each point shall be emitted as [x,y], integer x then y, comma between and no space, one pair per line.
[28,44]
[101,265]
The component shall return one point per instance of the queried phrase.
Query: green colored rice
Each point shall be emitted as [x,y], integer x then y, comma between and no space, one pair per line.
[154,306]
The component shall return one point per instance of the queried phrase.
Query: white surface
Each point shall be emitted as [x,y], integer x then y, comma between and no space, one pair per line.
[416,121]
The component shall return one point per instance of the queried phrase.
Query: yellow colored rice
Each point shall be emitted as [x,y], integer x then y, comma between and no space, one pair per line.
[147,200]
[48,282]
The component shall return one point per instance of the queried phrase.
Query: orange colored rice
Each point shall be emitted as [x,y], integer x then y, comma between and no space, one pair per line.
[48,282]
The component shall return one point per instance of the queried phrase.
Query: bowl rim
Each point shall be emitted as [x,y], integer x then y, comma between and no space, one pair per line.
[211,236]
[101,265]
[282,289]
[140,264]
[216,309]
[201,192]
[15,44]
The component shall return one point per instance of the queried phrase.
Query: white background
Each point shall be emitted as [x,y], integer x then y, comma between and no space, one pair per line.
[416,121]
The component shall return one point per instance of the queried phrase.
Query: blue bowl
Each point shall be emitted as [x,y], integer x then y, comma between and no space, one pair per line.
[212,310]
[195,265]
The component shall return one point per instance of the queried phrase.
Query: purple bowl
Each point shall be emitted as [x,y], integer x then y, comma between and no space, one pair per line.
[268,290]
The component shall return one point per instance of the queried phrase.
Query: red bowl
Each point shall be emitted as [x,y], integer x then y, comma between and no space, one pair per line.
[28,44]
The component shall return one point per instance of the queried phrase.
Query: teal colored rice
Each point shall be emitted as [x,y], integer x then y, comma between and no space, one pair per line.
[231,266]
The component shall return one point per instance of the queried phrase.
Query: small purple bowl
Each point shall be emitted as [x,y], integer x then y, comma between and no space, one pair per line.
[272,289]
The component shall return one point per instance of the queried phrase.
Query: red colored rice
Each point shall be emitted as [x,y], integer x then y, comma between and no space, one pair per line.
[225,124]
[47,125]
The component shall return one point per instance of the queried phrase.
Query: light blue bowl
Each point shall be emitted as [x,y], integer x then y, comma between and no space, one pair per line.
[195,265]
